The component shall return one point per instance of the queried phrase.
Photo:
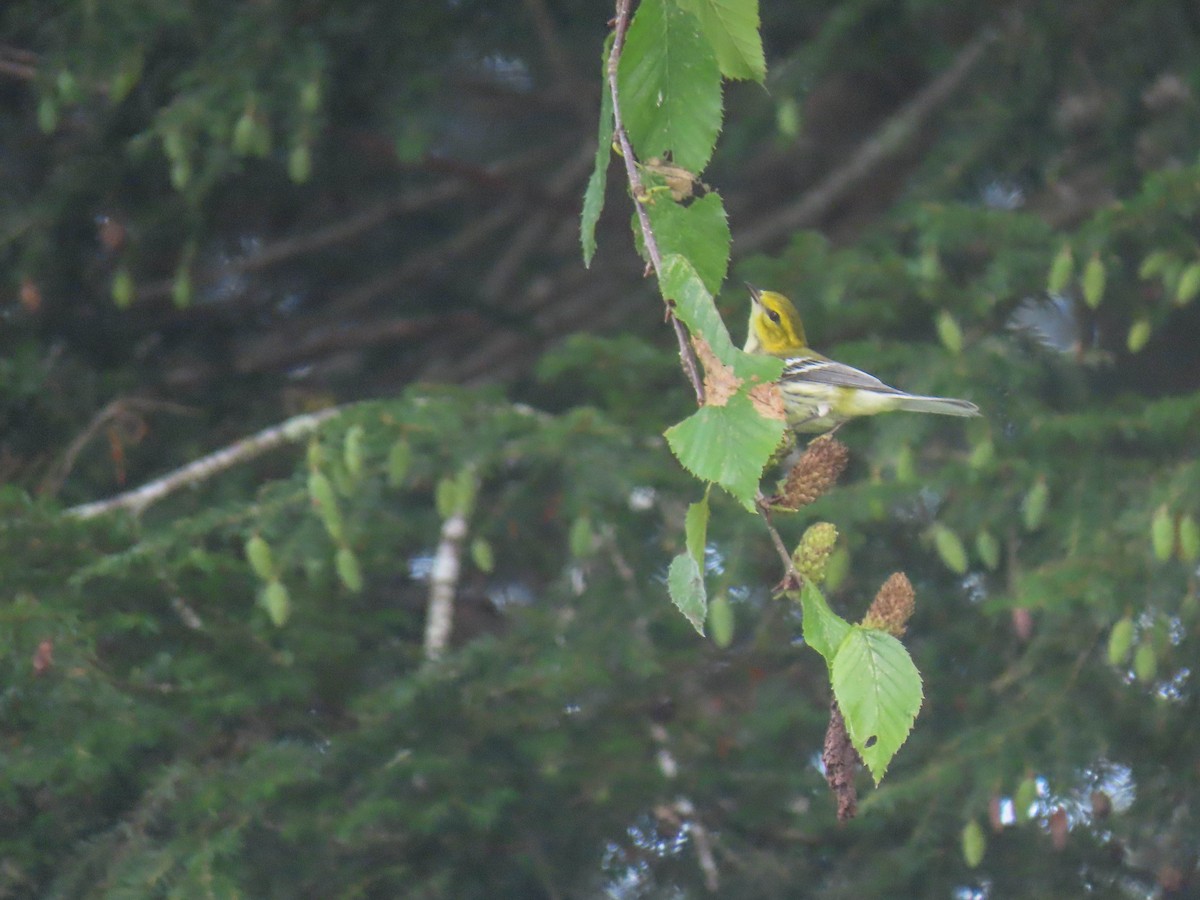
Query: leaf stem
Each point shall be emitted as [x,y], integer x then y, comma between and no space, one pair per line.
[686,355]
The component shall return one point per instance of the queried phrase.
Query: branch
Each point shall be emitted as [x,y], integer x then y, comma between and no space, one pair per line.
[686,355]
[200,470]
[888,140]
[443,581]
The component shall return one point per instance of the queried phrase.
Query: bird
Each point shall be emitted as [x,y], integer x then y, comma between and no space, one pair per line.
[820,394]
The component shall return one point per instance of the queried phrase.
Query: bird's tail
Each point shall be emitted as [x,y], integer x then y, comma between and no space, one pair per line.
[942,406]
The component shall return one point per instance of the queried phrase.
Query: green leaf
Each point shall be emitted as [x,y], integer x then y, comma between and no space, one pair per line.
[695,529]
[731,28]
[352,450]
[1162,533]
[973,844]
[685,583]
[1033,506]
[1139,334]
[670,86]
[1120,642]
[320,489]
[122,288]
[878,690]
[446,497]
[1189,284]
[1094,278]
[348,570]
[988,549]
[824,630]
[1023,800]
[258,553]
[593,196]
[482,555]
[728,445]
[695,307]
[950,548]
[580,539]
[699,232]
[1189,539]
[275,600]
[720,620]
[1061,270]
[1145,662]
[1155,263]
[949,332]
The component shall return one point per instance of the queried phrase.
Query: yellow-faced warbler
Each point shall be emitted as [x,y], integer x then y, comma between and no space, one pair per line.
[818,393]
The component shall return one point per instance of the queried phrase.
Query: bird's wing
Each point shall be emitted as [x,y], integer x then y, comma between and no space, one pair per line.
[819,370]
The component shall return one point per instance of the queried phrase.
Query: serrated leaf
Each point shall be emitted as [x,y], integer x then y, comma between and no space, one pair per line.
[685,584]
[482,555]
[974,843]
[1139,335]
[728,445]
[1094,278]
[670,86]
[1033,506]
[593,195]
[1189,284]
[1061,270]
[699,232]
[1120,642]
[949,333]
[258,554]
[731,28]
[348,570]
[695,307]
[399,459]
[720,620]
[695,529]
[1162,533]
[823,629]
[878,690]
[950,549]
[352,450]
[276,602]
[988,549]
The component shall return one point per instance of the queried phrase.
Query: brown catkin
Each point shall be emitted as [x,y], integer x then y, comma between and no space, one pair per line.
[817,470]
[893,605]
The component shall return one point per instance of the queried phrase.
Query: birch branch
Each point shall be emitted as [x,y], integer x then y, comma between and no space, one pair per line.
[201,470]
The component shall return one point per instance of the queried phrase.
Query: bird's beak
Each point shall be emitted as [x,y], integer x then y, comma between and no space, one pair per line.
[755,293]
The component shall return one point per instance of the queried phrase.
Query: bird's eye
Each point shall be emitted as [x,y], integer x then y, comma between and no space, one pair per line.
[773,316]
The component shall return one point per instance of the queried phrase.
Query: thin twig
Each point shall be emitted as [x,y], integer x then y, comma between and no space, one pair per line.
[200,470]
[790,573]
[115,411]
[882,145]
[686,354]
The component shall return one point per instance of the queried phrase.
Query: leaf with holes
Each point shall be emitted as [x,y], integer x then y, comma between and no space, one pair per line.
[878,690]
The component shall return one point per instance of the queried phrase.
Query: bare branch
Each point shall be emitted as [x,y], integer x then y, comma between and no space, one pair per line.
[443,582]
[200,470]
